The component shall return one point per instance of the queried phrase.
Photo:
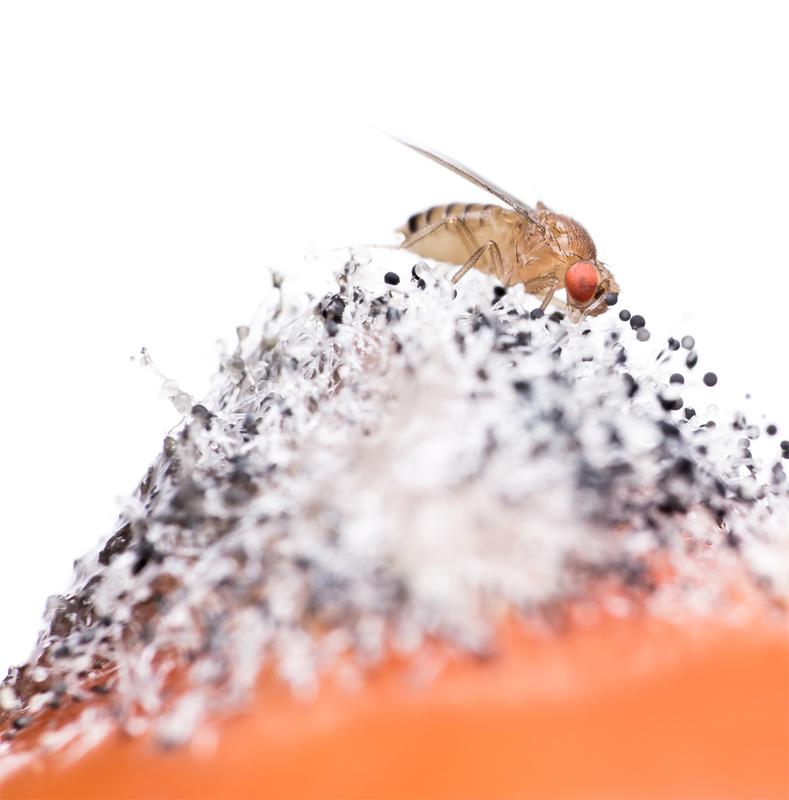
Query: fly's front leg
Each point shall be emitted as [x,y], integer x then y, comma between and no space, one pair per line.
[545,285]
[549,296]
[495,254]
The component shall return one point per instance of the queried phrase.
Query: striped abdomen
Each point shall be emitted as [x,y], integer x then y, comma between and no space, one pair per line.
[484,222]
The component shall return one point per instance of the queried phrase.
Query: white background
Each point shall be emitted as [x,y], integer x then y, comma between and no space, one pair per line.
[156,158]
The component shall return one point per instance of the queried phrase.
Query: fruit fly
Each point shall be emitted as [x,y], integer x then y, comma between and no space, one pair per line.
[537,247]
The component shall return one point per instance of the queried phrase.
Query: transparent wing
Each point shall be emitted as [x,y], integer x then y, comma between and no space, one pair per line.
[483,183]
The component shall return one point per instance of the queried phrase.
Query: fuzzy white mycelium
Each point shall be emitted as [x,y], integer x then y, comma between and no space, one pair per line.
[385,463]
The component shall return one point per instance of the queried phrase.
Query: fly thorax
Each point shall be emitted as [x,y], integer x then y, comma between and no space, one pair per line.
[569,238]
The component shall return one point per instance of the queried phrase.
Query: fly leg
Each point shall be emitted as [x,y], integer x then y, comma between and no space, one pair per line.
[455,224]
[476,252]
[548,296]
[545,285]
[495,254]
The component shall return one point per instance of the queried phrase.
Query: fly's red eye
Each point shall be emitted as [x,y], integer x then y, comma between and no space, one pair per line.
[581,280]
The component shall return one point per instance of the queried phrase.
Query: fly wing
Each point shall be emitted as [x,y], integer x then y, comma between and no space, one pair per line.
[483,183]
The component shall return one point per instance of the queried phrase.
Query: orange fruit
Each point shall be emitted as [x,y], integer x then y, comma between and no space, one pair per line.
[634,708]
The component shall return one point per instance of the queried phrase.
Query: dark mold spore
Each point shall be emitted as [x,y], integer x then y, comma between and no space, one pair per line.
[116,544]
[637,322]
[332,310]
[670,403]
[145,554]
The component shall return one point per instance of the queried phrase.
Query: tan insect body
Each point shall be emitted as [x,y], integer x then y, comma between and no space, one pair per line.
[537,247]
